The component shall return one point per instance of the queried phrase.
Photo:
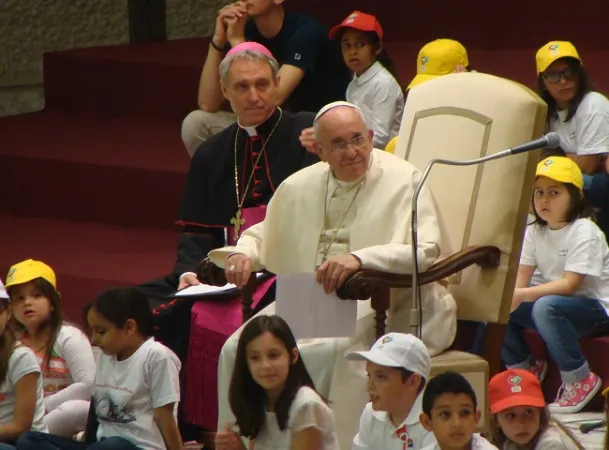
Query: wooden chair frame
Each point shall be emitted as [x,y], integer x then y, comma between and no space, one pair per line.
[371,284]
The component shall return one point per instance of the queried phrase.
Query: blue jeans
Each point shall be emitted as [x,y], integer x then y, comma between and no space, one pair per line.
[561,321]
[4,446]
[35,440]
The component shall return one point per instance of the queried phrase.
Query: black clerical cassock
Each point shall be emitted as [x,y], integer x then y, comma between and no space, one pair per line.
[238,168]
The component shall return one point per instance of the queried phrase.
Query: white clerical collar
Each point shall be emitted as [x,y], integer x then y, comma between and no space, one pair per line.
[251,130]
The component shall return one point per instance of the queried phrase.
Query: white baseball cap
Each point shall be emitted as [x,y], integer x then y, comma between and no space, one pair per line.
[3,293]
[398,350]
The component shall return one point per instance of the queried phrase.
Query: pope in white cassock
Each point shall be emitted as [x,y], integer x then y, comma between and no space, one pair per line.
[349,212]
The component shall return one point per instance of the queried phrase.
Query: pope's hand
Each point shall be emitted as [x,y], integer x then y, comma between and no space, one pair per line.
[307,139]
[188,280]
[238,269]
[335,271]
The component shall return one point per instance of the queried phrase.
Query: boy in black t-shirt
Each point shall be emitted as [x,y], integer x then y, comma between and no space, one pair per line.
[311,70]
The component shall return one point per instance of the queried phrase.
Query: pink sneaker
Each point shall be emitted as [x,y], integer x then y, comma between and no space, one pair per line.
[540,369]
[572,397]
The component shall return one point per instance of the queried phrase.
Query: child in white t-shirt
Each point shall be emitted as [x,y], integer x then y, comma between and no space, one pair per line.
[398,366]
[136,386]
[520,419]
[374,87]
[450,410]
[272,395]
[571,300]
[580,115]
[63,351]
[21,398]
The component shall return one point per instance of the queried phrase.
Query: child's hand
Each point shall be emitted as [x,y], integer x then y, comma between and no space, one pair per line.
[307,139]
[228,440]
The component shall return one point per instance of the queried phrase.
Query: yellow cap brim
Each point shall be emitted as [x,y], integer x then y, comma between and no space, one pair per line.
[421,78]
[579,184]
[606,392]
[550,61]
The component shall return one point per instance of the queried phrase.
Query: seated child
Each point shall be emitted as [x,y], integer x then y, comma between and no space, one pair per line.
[398,366]
[137,388]
[272,395]
[62,350]
[21,398]
[450,410]
[520,418]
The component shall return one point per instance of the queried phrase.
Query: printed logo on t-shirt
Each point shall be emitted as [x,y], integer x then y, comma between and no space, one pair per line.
[297,56]
[113,408]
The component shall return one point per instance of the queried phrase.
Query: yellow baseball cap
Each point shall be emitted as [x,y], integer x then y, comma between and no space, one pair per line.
[552,51]
[437,58]
[561,169]
[390,148]
[29,270]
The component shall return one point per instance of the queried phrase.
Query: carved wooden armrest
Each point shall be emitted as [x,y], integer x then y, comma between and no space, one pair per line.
[213,275]
[361,285]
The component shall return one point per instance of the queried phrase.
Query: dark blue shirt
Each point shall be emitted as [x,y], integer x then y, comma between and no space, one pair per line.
[303,42]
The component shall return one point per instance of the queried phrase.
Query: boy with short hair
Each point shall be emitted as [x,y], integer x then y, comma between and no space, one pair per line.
[398,367]
[450,410]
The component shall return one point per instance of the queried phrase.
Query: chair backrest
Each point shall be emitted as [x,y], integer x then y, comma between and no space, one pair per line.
[465,116]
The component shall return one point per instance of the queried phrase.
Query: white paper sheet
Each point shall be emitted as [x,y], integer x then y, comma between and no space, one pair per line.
[310,312]
[206,289]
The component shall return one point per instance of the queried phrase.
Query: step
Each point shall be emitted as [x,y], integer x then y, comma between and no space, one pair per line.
[87,257]
[125,172]
[482,24]
[148,80]
[162,79]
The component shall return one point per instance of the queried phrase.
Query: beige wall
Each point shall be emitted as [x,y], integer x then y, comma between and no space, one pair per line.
[28,28]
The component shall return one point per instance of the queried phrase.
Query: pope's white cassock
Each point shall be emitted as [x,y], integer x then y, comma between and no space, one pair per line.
[369,218]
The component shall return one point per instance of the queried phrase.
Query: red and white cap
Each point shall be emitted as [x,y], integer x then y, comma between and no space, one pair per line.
[398,350]
[358,21]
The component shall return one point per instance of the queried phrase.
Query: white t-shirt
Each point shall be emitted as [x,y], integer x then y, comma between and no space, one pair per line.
[551,439]
[308,410]
[127,392]
[478,443]
[377,432]
[71,370]
[381,99]
[22,362]
[587,133]
[579,247]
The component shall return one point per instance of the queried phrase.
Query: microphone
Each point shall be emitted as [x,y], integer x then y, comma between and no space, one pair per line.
[550,140]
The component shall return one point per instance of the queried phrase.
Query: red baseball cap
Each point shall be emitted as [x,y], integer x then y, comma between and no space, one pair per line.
[514,387]
[358,21]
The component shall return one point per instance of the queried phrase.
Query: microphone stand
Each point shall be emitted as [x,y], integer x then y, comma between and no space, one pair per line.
[416,313]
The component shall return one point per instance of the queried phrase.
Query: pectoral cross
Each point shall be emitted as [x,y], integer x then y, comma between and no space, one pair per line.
[237,223]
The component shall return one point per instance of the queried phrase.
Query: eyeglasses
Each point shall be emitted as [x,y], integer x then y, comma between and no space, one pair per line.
[555,76]
[357,142]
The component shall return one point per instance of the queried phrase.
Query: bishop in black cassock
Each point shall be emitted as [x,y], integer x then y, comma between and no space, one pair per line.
[210,202]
